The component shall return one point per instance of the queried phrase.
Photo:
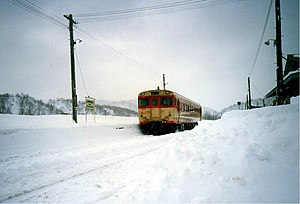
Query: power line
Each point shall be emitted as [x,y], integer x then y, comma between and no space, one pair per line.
[141,9]
[151,10]
[257,89]
[261,39]
[81,72]
[113,52]
[38,11]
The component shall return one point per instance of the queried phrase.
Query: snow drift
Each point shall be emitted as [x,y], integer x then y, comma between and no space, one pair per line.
[246,156]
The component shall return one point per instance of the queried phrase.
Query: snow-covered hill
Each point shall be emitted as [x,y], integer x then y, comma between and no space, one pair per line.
[24,104]
[129,104]
[246,156]
[210,114]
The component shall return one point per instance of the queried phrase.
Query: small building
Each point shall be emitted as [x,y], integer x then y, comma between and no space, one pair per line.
[290,79]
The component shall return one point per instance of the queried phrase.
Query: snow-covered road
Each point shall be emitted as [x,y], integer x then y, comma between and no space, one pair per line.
[247,156]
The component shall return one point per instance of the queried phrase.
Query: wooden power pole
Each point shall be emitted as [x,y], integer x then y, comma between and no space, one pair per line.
[280,94]
[73,82]
[249,92]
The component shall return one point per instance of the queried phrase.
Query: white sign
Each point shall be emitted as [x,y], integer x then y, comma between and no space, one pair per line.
[90,105]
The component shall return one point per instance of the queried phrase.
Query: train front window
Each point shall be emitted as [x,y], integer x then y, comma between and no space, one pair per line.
[143,102]
[154,102]
[166,101]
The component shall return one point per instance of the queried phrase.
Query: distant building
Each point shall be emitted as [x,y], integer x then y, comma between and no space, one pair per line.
[290,79]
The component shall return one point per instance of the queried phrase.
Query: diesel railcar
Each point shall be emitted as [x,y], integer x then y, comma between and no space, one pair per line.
[165,111]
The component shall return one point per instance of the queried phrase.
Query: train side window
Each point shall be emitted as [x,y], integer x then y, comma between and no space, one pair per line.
[143,102]
[154,102]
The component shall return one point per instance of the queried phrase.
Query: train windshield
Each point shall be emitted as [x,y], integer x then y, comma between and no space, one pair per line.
[143,102]
[154,102]
[166,101]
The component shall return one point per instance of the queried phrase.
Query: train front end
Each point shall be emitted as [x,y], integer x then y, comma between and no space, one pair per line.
[156,111]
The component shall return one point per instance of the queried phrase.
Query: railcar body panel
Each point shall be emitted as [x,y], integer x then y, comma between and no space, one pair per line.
[164,108]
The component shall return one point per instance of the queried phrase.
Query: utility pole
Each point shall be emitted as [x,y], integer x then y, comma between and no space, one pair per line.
[73,83]
[280,94]
[249,106]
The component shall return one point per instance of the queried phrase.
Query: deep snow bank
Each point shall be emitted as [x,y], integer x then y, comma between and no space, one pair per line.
[247,156]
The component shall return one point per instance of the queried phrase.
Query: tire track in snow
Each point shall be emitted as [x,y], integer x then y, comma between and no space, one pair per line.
[7,198]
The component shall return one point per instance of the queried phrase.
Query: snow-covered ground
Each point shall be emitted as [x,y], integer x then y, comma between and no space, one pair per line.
[247,156]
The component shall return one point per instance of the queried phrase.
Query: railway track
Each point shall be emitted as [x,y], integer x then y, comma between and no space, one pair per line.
[114,155]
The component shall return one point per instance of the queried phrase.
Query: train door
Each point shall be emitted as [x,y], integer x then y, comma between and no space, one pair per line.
[177,116]
[155,109]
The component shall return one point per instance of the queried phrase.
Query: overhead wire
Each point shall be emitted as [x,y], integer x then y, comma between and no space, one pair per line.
[134,12]
[81,72]
[151,10]
[141,9]
[38,11]
[114,52]
[257,90]
[32,8]
[156,8]
[261,39]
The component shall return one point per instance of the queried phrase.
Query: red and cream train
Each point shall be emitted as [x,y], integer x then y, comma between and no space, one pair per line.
[164,111]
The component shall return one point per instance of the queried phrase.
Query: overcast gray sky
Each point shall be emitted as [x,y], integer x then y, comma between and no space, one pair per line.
[205,53]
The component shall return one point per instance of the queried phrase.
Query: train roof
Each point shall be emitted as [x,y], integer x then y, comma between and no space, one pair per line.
[164,92]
